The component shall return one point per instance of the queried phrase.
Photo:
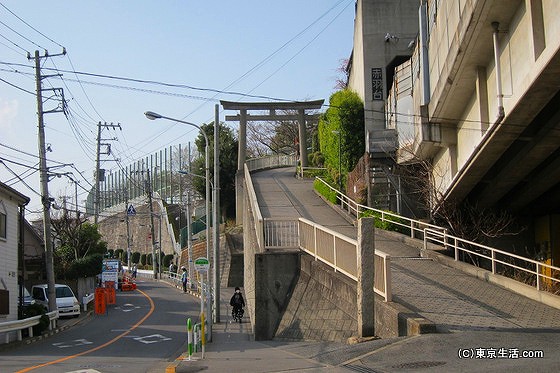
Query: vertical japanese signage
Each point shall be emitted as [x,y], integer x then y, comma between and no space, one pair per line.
[377,84]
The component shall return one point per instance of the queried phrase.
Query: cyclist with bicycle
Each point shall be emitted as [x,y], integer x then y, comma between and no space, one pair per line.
[237,302]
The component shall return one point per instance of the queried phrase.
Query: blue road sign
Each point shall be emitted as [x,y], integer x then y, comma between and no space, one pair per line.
[130,211]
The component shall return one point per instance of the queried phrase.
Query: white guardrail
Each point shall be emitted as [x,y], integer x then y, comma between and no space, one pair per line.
[541,275]
[415,228]
[29,323]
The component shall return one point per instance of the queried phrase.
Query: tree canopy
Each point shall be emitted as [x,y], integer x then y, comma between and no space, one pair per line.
[228,145]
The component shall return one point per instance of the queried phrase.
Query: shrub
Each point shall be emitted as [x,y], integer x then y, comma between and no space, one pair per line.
[136,257]
[35,310]
[167,259]
[325,191]
[119,254]
[389,224]
[143,259]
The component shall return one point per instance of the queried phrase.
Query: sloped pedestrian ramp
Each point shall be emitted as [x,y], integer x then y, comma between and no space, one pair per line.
[447,297]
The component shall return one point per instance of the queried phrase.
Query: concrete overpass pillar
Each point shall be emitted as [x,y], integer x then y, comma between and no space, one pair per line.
[366,269]
[239,175]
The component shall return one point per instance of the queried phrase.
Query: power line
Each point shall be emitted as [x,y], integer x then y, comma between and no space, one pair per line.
[15,86]
[31,27]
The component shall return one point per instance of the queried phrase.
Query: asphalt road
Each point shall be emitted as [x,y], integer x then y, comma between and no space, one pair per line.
[142,332]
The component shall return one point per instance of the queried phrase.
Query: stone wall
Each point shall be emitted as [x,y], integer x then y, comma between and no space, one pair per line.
[322,305]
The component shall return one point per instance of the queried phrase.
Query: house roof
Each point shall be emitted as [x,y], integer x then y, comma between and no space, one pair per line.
[14,194]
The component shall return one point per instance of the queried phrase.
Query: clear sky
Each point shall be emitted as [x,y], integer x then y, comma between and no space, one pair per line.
[215,50]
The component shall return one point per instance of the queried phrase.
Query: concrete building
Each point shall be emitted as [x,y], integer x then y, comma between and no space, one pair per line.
[479,101]
[12,207]
[385,33]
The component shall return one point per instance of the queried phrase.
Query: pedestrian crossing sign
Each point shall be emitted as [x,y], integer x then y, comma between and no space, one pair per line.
[131,211]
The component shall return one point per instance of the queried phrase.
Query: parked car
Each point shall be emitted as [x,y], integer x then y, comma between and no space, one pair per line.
[27,298]
[66,301]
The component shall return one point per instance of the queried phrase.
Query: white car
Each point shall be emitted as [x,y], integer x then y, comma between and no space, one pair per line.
[66,301]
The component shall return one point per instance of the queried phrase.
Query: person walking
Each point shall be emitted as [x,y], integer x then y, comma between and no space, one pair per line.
[184,279]
[134,271]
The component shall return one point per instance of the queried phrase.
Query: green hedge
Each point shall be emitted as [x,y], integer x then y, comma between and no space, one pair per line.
[325,191]
[389,223]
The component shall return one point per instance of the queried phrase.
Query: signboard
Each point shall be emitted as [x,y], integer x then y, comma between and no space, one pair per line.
[100,301]
[201,264]
[377,84]
[110,271]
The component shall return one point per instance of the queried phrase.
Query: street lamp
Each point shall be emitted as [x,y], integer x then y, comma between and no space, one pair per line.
[153,116]
[339,133]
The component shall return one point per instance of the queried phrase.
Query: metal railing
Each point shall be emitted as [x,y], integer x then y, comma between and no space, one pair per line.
[272,161]
[29,323]
[281,233]
[532,272]
[341,253]
[415,228]
[540,275]
[254,205]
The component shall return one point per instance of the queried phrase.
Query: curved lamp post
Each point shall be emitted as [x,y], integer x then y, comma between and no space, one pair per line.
[153,116]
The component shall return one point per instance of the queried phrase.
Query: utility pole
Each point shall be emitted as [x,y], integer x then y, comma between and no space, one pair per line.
[149,192]
[128,246]
[44,178]
[100,127]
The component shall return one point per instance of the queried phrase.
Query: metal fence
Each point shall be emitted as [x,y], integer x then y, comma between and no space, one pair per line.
[532,272]
[281,233]
[414,228]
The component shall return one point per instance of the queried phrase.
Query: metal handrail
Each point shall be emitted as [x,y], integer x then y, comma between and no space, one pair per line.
[457,244]
[348,204]
[254,204]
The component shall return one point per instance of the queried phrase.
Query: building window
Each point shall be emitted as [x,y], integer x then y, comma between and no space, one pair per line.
[3,225]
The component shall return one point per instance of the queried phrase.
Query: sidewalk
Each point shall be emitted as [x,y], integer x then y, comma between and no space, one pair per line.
[233,350]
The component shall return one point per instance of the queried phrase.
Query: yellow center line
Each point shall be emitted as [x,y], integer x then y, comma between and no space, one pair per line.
[152,308]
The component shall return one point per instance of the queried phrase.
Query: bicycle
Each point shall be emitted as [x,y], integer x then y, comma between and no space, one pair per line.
[237,314]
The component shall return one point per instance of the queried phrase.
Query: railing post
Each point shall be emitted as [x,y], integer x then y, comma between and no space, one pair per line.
[493,261]
[425,248]
[538,277]
[387,277]
[315,242]
[411,229]
[456,248]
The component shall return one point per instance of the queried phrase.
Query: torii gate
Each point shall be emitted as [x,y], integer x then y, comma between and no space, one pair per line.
[271,107]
